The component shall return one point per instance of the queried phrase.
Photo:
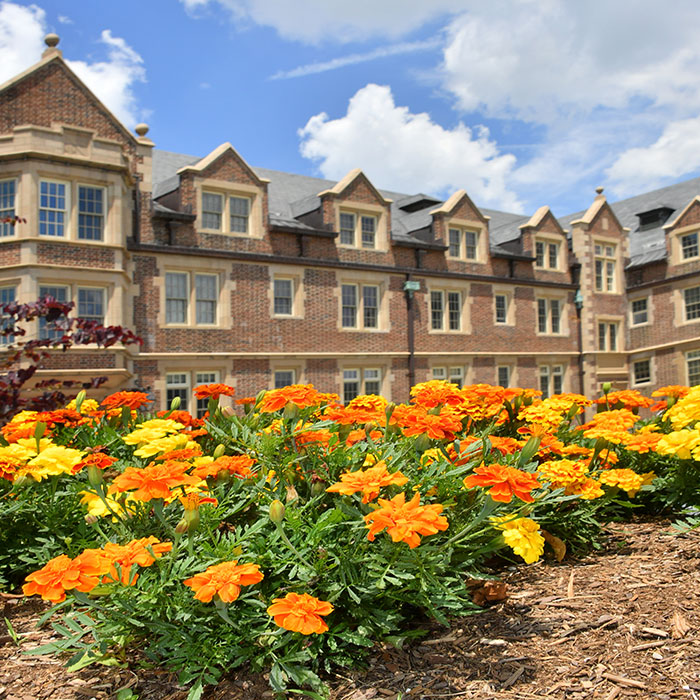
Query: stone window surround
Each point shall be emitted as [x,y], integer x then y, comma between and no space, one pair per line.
[446,286]
[478,227]
[641,358]
[548,239]
[616,244]
[296,275]
[185,365]
[563,314]
[675,237]
[360,209]
[619,338]
[385,376]
[509,294]
[650,318]
[227,189]
[360,279]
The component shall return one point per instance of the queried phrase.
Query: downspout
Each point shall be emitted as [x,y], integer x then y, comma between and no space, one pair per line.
[409,287]
[578,303]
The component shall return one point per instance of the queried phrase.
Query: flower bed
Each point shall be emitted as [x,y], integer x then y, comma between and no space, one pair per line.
[293,537]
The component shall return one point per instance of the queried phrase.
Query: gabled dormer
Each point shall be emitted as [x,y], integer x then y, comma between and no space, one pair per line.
[459,225]
[225,194]
[543,237]
[683,235]
[358,211]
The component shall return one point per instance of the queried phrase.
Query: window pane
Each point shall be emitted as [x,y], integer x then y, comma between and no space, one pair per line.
[455,241]
[7,206]
[693,359]
[369,225]
[436,310]
[610,276]
[349,306]
[282,297]
[240,212]
[91,304]
[177,385]
[351,384]
[602,333]
[212,206]
[599,275]
[372,379]
[48,330]
[176,297]
[205,302]
[347,229]
[439,373]
[456,375]
[284,377]
[7,295]
[504,376]
[692,303]
[90,213]
[689,245]
[501,308]
[52,208]
[553,249]
[555,311]
[370,306]
[557,379]
[539,254]
[202,405]
[544,382]
[642,372]
[454,310]
[470,245]
[612,330]
[542,315]
[639,311]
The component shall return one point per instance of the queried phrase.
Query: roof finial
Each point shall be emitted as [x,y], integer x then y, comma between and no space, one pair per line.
[141,129]
[599,190]
[51,41]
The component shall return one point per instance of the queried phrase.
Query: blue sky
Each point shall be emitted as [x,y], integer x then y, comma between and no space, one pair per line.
[520,102]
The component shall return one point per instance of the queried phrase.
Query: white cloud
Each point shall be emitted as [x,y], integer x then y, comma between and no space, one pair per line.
[355,58]
[113,80]
[64,19]
[318,21]
[408,152]
[674,154]
[542,60]
[22,30]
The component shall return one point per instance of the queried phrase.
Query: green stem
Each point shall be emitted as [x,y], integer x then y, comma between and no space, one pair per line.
[286,540]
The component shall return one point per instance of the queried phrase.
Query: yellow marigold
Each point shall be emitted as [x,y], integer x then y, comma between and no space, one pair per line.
[152,430]
[610,425]
[686,411]
[681,443]
[369,402]
[562,472]
[165,444]
[522,535]
[368,481]
[88,406]
[588,489]
[97,507]
[626,479]
[52,461]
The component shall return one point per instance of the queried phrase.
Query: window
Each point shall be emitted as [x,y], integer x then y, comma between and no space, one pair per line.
[689,246]
[359,306]
[352,225]
[547,255]
[361,381]
[53,208]
[607,336]
[640,311]
[641,372]
[185,291]
[501,301]
[283,296]
[503,372]
[454,374]
[202,405]
[445,310]
[91,304]
[91,212]
[226,213]
[693,366]
[284,377]
[463,244]
[7,295]
[604,267]
[59,293]
[691,298]
[551,380]
[549,316]
[7,206]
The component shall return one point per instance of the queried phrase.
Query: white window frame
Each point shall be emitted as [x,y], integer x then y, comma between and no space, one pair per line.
[509,375]
[446,322]
[361,310]
[692,356]
[7,230]
[201,406]
[608,336]
[634,364]
[191,299]
[45,331]
[605,281]
[549,316]
[468,251]
[292,284]
[87,288]
[357,233]
[7,339]
[549,246]
[633,322]
[283,370]
[696,244]
[226,213]
[684,301]
[102,216]
[550,371]
[66,210]
[364,380]
[452,373]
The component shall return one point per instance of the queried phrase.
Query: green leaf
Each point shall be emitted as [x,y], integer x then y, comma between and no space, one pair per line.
[196,691]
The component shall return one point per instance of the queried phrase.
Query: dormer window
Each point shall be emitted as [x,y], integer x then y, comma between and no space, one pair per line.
[226,213]
[654,218]
[463,244]
[358,230]
[689,246]
[546,255]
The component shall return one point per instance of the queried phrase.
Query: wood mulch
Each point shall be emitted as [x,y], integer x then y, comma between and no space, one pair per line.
[623,623]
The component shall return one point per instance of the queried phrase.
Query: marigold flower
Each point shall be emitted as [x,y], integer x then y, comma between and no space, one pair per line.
[184,417]
[224,580]
[300,613]
[626,479]
[626,398]
[673,391]
[63,574]
[301,395]
[180,455]
[522,535]
[404,522]
[642,442]
[53,460]
[420,422]
[237,465]
[142,552]
[213,391]
[681,443]
[563,472]
[96,459]
[368,481]
[155,480]
[129,399]
[505,481]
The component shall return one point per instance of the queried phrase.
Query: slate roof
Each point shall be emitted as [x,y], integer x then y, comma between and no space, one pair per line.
[292,195]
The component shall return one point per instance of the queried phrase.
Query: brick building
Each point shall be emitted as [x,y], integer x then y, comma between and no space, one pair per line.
[260,278]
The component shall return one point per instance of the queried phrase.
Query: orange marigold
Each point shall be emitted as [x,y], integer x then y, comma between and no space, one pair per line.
[155,480]
[183,417]
[142,552]
[673,391]
[626,398]
[180,455]
[224,580]
[404,522]
[368,481]
[420,422]
[301,395]
[300,613]
[213,391]
[63,574]
[505,481]
[131,399]
[96,459]
[238,465]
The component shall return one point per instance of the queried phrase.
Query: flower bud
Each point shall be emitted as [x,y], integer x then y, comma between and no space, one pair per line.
[191,517]
[91,519]
[219,451]
[228,412]
[606,387]
[292,494]
[79,399]
[182,527]
[291,411]
[175,403]
[276,511]
[95,477]
[317,488]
